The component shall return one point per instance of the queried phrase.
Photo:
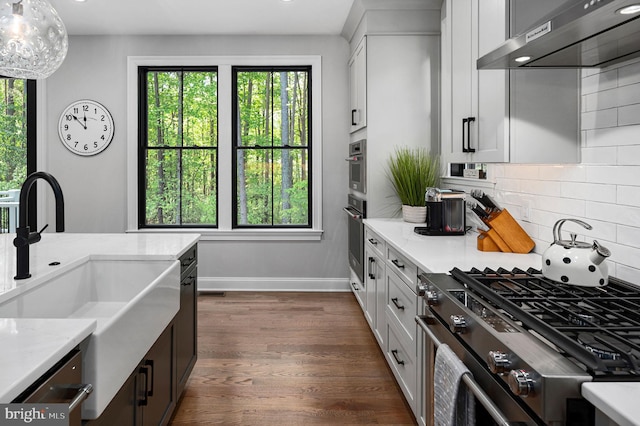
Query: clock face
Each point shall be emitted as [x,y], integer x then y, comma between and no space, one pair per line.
[86,127]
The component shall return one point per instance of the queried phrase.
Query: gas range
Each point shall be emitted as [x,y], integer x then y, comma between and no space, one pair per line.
[538,339]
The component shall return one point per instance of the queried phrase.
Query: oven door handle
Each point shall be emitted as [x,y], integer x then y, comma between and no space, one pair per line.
[353,213]
[472,385]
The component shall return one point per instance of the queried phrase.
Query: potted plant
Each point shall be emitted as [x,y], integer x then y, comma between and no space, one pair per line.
[411,171]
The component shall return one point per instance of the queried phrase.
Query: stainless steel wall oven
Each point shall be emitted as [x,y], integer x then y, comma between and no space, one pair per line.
[357,166]
[356,210]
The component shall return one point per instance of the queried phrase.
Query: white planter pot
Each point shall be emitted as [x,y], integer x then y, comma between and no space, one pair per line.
[414,214]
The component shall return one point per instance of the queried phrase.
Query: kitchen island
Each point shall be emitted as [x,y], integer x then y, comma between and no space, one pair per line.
[35,344]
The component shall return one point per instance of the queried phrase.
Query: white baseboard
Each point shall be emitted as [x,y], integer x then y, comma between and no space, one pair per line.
[217,284]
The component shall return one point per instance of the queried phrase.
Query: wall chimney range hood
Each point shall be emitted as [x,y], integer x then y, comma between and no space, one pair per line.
[579,34]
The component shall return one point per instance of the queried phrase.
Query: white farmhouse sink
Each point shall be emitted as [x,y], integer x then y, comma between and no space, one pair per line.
[132,303]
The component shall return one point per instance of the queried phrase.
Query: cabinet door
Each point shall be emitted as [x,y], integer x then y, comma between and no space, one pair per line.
[186,327]
[123,410]
[158,390]
[358,86]
[490,138]
[375,286]
[478,100]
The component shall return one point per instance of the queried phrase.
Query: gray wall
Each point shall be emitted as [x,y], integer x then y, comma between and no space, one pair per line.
[95,188]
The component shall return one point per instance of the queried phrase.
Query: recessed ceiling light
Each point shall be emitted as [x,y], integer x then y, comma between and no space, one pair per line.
[522,59]
[629,10]
[81,1]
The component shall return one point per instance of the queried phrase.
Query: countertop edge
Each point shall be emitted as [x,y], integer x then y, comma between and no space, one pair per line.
[617,400]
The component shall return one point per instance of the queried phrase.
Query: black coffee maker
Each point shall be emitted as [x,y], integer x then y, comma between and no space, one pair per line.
[446,213]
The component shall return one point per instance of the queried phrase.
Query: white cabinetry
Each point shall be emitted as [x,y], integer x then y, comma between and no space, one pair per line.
[401,309]
[358,86]
[518,116]
[375,284]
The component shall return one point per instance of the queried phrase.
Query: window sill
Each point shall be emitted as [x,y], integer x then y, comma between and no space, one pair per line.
[243,234]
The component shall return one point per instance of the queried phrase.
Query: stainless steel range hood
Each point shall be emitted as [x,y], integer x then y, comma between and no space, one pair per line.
[579,34]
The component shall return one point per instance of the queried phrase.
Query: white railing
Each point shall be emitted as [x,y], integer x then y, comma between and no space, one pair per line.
[9,206]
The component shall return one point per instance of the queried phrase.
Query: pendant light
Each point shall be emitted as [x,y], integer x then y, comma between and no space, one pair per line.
[33,39]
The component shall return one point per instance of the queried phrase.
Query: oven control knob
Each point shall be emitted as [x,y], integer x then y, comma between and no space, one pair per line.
[431,297]
[458,324]
[520,383]
[498,362]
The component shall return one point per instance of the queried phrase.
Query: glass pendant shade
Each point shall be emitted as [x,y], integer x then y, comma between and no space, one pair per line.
[33,39]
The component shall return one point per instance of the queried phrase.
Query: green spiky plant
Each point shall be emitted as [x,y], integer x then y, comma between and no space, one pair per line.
[411,171]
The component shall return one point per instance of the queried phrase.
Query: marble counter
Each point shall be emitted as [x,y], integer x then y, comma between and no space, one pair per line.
[31,346]
[442,253]
[618,401]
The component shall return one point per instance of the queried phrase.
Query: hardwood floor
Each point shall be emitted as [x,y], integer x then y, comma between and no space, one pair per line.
[288,359]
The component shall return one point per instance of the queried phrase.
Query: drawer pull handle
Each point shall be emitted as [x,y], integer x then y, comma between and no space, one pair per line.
[395,302]
[397,263]
[372,241]
[395,356]
[355,286]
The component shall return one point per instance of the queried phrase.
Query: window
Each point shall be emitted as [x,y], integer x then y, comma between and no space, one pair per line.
[207,152]
[272,149]
[178,147]
[17,141]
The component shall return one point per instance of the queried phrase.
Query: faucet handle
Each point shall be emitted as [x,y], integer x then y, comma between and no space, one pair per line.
[42,230]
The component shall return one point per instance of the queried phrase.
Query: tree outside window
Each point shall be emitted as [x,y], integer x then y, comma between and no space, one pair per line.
[179,147]
[13,133]
[272,146]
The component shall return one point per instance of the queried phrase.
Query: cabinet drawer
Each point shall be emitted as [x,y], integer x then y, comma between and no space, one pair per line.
[188,258]
[401,305]
[374,241]
[359,290]
[403,267]
[402,360]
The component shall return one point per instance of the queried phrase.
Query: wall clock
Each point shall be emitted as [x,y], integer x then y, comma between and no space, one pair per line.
[86,127]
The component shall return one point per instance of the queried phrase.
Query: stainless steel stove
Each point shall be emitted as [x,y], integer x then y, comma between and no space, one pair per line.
[530,342]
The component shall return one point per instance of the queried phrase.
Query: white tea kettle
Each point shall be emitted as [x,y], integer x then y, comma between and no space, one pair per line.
[575,262]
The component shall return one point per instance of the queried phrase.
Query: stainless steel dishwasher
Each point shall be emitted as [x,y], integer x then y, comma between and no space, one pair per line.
[61,385]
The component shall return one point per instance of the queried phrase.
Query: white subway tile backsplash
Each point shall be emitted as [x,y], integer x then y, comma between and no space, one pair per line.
[617,175]
[614,136]
[600,155]
[589,191]
[629,74]
[628,195]
[629,155]
[628,236]
[570,173]
[629,115]
[521,171]
[613,213]
[601,81]
[599,119]
[604,190]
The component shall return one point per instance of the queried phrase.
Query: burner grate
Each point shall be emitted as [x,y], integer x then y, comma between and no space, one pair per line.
[599,327]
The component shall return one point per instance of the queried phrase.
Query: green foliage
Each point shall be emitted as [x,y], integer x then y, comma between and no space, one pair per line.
[13,134]
[181,161]
[411,171]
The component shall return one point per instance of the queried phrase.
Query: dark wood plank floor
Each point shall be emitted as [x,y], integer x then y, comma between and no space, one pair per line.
[288,359]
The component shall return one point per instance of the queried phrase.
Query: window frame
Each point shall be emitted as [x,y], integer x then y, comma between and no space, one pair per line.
[309,147]
[143,146]
[225,231]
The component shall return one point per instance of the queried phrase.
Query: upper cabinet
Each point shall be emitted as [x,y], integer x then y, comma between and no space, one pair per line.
[518,116]
[394,86]
[358,86]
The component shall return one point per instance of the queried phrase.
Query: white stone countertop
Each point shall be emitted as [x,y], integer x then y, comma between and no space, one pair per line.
[617,400]
[31,346]
[440,254]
